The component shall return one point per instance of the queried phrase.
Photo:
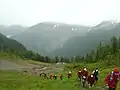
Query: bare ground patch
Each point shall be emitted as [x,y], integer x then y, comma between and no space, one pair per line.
[30,66]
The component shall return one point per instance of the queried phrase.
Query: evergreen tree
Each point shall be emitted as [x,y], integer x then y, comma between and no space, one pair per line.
[114,44]
[56,59]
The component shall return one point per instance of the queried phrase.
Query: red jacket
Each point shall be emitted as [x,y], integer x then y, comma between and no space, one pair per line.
[113,82]
[61,76]
[84,73]
[69,74]
[79,73]
[51,76]
[90,79]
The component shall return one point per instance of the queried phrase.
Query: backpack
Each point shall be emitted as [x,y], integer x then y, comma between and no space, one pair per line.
[95,73]
[111,76]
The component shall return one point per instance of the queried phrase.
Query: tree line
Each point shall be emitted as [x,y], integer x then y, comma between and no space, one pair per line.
[109,51]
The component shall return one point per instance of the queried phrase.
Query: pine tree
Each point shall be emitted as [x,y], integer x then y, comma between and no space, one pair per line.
[56,59]
[114,44]
[118,42]
[61,59]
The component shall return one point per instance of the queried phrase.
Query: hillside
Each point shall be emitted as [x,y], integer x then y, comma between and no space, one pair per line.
[11,48]
[47,36]
[105,57]
[105,53]
[6,43]
[80,45]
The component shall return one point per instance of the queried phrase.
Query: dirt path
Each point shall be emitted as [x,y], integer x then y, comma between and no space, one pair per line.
[6,65]
[18,66]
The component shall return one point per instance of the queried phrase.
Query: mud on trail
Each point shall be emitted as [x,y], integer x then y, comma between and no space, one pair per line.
[29,66]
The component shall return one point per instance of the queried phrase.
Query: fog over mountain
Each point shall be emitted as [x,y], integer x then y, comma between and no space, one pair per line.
[47,36]
[59,27]
[11,30]
[81,45]
[82,12]
[52,38]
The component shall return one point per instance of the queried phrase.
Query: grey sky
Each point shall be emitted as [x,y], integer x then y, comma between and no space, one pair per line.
[85,12]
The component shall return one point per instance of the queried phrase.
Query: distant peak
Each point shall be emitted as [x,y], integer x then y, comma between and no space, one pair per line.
[110,22]
[55,25]
[52,23]
[105,24]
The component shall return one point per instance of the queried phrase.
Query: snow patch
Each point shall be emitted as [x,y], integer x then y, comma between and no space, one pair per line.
[8,36]
[75,29]
[55,26]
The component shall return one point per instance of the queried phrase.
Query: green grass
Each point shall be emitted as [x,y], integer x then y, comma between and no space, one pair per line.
[4,55]
[11,80]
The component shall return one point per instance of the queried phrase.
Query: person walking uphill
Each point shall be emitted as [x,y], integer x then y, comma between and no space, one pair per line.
[95,74]
[69,74]
[84,76]
[51,76]
[61,76]
[55,77]
[112,79]
[79,74]
[84,72]
[91,80]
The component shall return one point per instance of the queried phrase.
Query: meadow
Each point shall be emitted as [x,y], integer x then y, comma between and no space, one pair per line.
[12,80]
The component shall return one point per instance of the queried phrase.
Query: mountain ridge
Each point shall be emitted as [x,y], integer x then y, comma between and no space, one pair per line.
[84,44]
[47,37]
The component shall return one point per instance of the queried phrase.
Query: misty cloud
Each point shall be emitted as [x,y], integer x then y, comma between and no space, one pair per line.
[30,12]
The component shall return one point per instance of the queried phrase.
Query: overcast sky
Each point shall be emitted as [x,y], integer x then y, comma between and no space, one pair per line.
[85,12]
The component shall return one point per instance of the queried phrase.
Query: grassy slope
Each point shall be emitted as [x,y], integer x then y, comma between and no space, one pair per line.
[18,60]
[10,80]
[4,55]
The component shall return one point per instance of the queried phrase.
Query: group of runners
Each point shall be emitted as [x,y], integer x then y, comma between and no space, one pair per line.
[84,77]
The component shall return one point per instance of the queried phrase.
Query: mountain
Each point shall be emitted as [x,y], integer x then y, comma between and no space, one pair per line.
[14,49]
[46,37]
[6,43]
[80,45]
[11,30]
[105,25]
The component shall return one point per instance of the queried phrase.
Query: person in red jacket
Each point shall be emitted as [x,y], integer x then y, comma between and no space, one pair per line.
[91,80]
[84,72]
[69,74]
[79,74]
[61,76]
[112,79]
[51,76]
[84,76]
